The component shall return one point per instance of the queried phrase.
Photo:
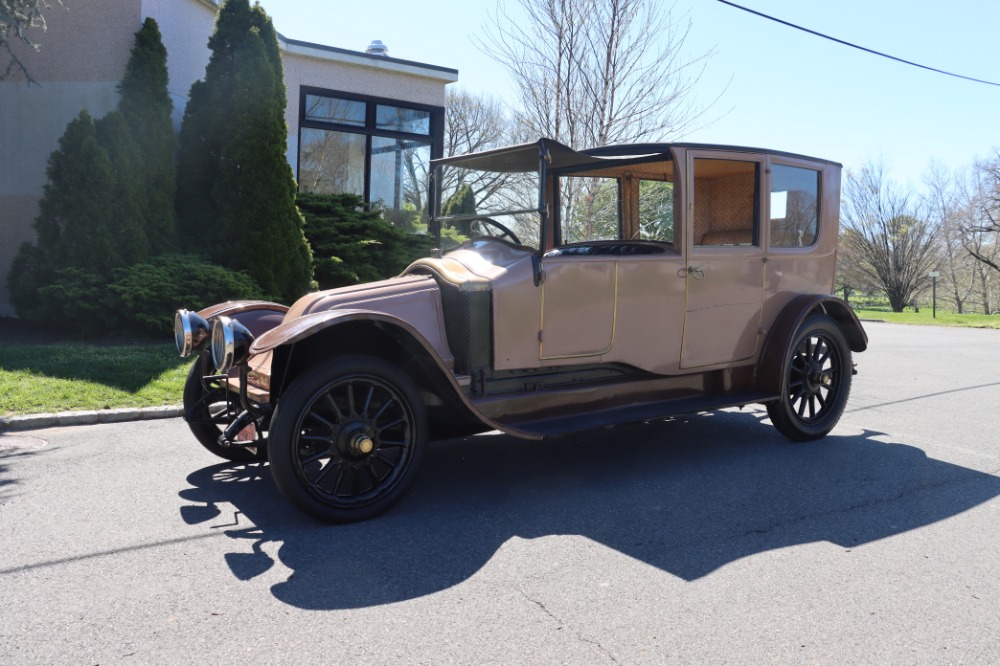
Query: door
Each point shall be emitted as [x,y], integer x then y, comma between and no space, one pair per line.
[725,260]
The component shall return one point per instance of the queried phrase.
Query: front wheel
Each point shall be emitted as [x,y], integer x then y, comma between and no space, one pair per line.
[209,410]
[347,438]
[817,381]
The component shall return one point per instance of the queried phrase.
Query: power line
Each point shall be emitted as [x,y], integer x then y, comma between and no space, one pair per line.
[856,46]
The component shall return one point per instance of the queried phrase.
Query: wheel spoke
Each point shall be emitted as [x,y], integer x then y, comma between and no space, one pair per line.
[325,453]
[350,399]
[390,426]
[381,410]
[368,400]
[319,418]
[333,405]
[323,472]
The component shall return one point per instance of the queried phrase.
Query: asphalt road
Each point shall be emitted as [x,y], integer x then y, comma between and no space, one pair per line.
[704,540]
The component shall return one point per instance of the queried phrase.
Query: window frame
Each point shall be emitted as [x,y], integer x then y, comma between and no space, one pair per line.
[434,138]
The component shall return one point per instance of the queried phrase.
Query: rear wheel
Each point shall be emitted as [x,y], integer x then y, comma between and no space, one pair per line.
[347,438]
[817,381]
[209,413]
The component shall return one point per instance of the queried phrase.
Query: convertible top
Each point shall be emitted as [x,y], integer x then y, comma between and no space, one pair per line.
[525,157]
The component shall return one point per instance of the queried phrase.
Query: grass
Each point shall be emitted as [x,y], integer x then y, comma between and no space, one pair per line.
[926,318]
[41,372]
[70,375]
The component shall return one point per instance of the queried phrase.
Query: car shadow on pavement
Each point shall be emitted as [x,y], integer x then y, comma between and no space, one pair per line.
[687,496]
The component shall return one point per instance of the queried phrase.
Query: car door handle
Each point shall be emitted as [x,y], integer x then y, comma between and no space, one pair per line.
[696,272]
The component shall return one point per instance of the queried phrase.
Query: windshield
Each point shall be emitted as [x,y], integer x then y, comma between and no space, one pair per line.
[475,203]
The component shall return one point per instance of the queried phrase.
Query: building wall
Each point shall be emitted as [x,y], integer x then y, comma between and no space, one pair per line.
[82,57]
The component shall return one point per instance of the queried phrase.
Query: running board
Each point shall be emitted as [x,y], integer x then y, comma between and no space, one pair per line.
[634,413]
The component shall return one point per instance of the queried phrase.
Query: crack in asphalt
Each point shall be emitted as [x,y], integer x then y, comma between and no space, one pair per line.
[579,636]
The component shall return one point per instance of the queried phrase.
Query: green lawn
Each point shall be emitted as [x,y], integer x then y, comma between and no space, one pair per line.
[926,318]
[38,378]
[73,375]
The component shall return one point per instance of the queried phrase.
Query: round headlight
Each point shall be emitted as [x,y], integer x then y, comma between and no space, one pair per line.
[190,332]
[230,344]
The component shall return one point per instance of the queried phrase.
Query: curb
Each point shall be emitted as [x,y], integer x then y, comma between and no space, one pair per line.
[39,421]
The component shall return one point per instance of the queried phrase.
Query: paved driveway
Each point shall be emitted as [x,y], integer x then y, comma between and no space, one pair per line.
[707,539]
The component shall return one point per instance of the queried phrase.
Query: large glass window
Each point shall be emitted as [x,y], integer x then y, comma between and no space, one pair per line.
[379,149]
[331,162]
[794,206]
[399,171]
[335,110]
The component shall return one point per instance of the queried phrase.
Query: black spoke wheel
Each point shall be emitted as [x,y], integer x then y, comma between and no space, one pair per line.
[209,413]
[817,381]
[347,438]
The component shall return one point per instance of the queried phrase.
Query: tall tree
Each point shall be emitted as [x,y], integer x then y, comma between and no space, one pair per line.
[597,72]
[885,238]
[235,188]
[255,189]
[146,108]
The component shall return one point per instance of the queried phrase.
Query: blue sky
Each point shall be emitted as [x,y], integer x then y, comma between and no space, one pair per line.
[781,88]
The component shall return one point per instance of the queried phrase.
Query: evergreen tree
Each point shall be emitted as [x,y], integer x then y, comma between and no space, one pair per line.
[255,188]
[463,202]
[235,189]
[75,223]
[146,107]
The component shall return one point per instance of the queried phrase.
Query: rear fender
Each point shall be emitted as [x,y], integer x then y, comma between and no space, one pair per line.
[769,373]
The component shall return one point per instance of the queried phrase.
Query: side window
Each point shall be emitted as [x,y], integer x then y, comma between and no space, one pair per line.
[794,206]
[656,210]
[589,208]
[725,202]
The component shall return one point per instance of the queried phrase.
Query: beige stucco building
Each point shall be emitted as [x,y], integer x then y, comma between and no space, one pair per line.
[357,121]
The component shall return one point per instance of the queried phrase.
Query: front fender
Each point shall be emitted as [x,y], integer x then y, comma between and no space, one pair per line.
[299,329]
[258,316]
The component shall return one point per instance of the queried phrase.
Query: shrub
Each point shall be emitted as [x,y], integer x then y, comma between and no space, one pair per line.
[141,299]
[350,244]
[146,295]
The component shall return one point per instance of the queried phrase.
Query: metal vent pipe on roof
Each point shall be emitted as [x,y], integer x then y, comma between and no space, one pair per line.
[377,48]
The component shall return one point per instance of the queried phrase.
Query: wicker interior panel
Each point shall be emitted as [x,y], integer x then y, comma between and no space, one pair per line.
[724,199]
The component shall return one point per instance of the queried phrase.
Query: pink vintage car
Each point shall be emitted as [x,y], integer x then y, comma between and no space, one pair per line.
[596,288]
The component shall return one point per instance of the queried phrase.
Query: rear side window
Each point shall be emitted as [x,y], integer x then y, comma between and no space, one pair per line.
[794,206]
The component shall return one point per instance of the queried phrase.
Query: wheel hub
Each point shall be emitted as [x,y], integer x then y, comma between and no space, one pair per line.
[361,444]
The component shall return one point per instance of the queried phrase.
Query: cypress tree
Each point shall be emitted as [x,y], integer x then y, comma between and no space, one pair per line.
[463,202]
[235,188]
[146,108]
[255,189]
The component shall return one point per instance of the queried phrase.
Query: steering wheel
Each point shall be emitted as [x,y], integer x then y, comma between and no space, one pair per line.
[502,229]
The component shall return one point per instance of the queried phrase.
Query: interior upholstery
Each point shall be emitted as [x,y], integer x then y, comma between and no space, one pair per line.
[724,202]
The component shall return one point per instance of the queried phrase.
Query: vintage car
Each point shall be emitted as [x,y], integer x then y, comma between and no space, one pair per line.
[596,288]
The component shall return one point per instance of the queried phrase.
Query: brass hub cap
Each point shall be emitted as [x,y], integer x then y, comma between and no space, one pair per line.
[361,444]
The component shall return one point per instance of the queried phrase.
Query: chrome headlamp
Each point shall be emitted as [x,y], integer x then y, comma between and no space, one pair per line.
[190,332]
[231,342]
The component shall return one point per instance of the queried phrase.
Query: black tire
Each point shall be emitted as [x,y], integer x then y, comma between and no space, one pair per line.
[817,381]
[205,403]
[347,439]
